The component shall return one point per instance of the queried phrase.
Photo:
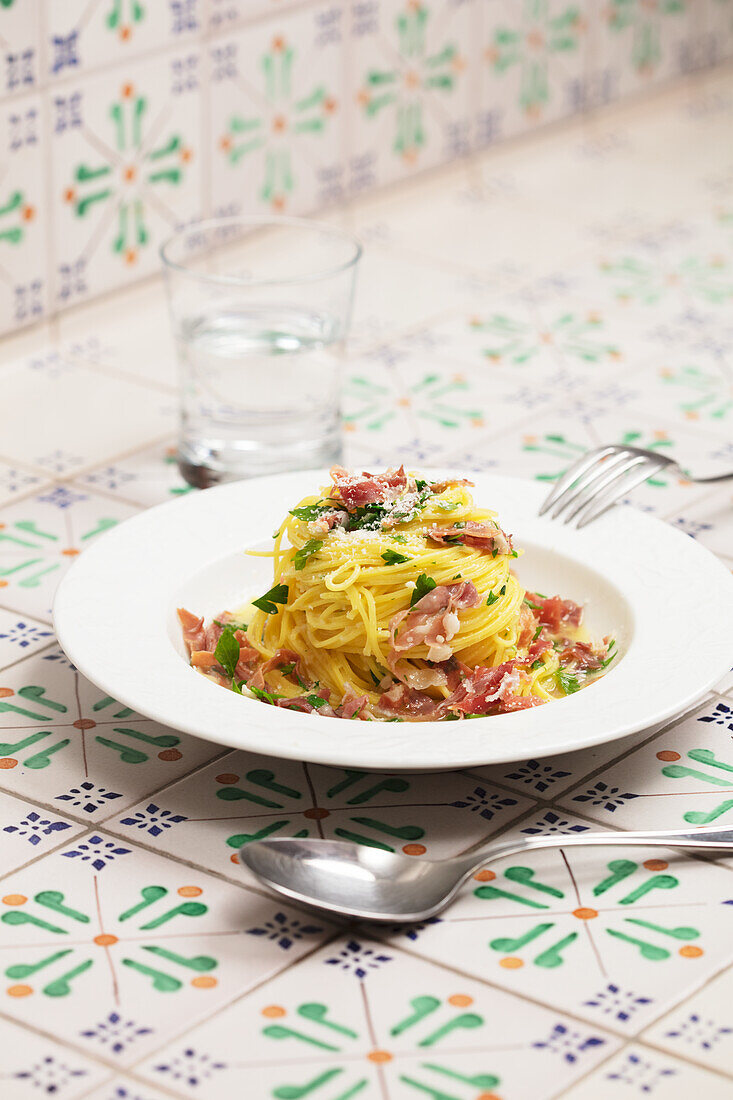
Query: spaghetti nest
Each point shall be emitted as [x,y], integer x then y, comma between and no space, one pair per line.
[348,587]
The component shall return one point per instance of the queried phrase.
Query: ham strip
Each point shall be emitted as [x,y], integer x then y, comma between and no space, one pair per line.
[353,705]
[356,490]
[432,621]
[484,536]
[449,483]
[490,689]
[554,611]
[404,702]
[194,634]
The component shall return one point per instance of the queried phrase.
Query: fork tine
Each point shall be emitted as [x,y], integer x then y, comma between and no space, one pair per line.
[572,474]
[586,484]
[606,479]
[615,492]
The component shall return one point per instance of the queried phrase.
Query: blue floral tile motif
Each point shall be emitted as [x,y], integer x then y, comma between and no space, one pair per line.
[99,851]
[116,1033]
[691,527]
[645,1075]
[190,1067]
[88,797]
[722,715]
[568,1043]
[485,804]
[61,497]
[14,481]
[617,1002]
[49,1075]
[109,477]
[153,820]
[58,462]
[24,634]
[33,827]
[412,931]
[536,775]
[553,823]
[358,960]
[284,930]
[610,798]
[698,1031]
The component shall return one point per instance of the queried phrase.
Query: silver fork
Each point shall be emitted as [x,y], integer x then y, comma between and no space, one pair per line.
[599,478]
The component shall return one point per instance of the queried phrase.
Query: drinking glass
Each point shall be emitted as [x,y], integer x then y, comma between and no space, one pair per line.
[260,308]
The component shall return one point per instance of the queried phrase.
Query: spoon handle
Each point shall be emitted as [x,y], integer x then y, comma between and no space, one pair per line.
[701,839]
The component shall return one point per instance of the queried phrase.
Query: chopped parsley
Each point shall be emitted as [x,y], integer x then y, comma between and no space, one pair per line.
[606,663]
[502,590]
[538,663]
[398,538]
[286,669]
[278,594]
[227,651]
[374,678]
[368,517]
[493,598]
[534,606]
[301,556]
[537,632]
[316,701]
[515,553]
[265,696]
[420,485]
[448,505]
[423,585]
[311,511]
[391,557]
[457,577]
[275,533]
[567,682]
[495,551]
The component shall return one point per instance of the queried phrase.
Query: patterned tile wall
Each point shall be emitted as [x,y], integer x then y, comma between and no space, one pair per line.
[121,119]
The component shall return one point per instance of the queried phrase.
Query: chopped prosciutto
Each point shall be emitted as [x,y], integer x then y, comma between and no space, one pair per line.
[356,490]
[285,657]
[352,705]
[248,656]
[582,655]
[485,536]
[405,702]
[301,703]
[327,521]
[432,621]
[449,483]
[447,674]
[489,689]
[527,626]
[554,611]
[194,634]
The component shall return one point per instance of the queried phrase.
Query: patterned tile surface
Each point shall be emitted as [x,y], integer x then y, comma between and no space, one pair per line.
[512,311]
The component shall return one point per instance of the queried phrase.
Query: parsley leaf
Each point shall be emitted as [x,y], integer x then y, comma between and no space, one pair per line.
[398,538]
[534,606]
[227,651]
[391,557]
[493,598]
[367,518]
[502,590]
[278,594]
[537,632]
[423,585]
[316,701]
[265,696]
[567,682]
[606,663]
[301,556]
[538,663]
[420,485]
[515,554]
[286,669]
[448,505]
[310,511]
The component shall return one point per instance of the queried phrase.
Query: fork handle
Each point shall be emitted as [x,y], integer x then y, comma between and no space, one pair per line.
[710,840]
[710,479]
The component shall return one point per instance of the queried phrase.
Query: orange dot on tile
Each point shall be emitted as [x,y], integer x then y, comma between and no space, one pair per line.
[460,1000]
[29,213]
[19,990]
[84,724]
[227,777]
[278,203]
[485,875]
[234,858]
[273,1012]
[127,91]
[511,962]
[279,123]
[689,951]
[130,256]
[105,939]
[316,813]
[129,174]
[3,584]
[125,33]
[5,692]
[170,754]
[225,143]
[8,762]
[189,891]
[14,899]
[414,849]
[656,864]
[488,1096]
[69,194]
[668,754]
[70,552]
[379,1056]
[585,914]
[186,155]
[204,981]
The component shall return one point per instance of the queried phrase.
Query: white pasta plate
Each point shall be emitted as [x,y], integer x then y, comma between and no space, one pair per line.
[667,600]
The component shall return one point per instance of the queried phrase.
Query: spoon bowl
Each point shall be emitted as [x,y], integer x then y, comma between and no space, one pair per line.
[355,880]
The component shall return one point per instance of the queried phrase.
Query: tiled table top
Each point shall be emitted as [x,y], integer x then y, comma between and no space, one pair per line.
[512,311]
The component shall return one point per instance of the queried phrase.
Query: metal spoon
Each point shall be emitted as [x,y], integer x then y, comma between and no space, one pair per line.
[357,881]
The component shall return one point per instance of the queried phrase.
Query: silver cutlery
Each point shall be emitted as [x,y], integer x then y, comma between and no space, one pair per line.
[603,476]
[371,884]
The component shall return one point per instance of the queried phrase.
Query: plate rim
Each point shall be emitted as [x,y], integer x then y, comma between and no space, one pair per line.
[299,742]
